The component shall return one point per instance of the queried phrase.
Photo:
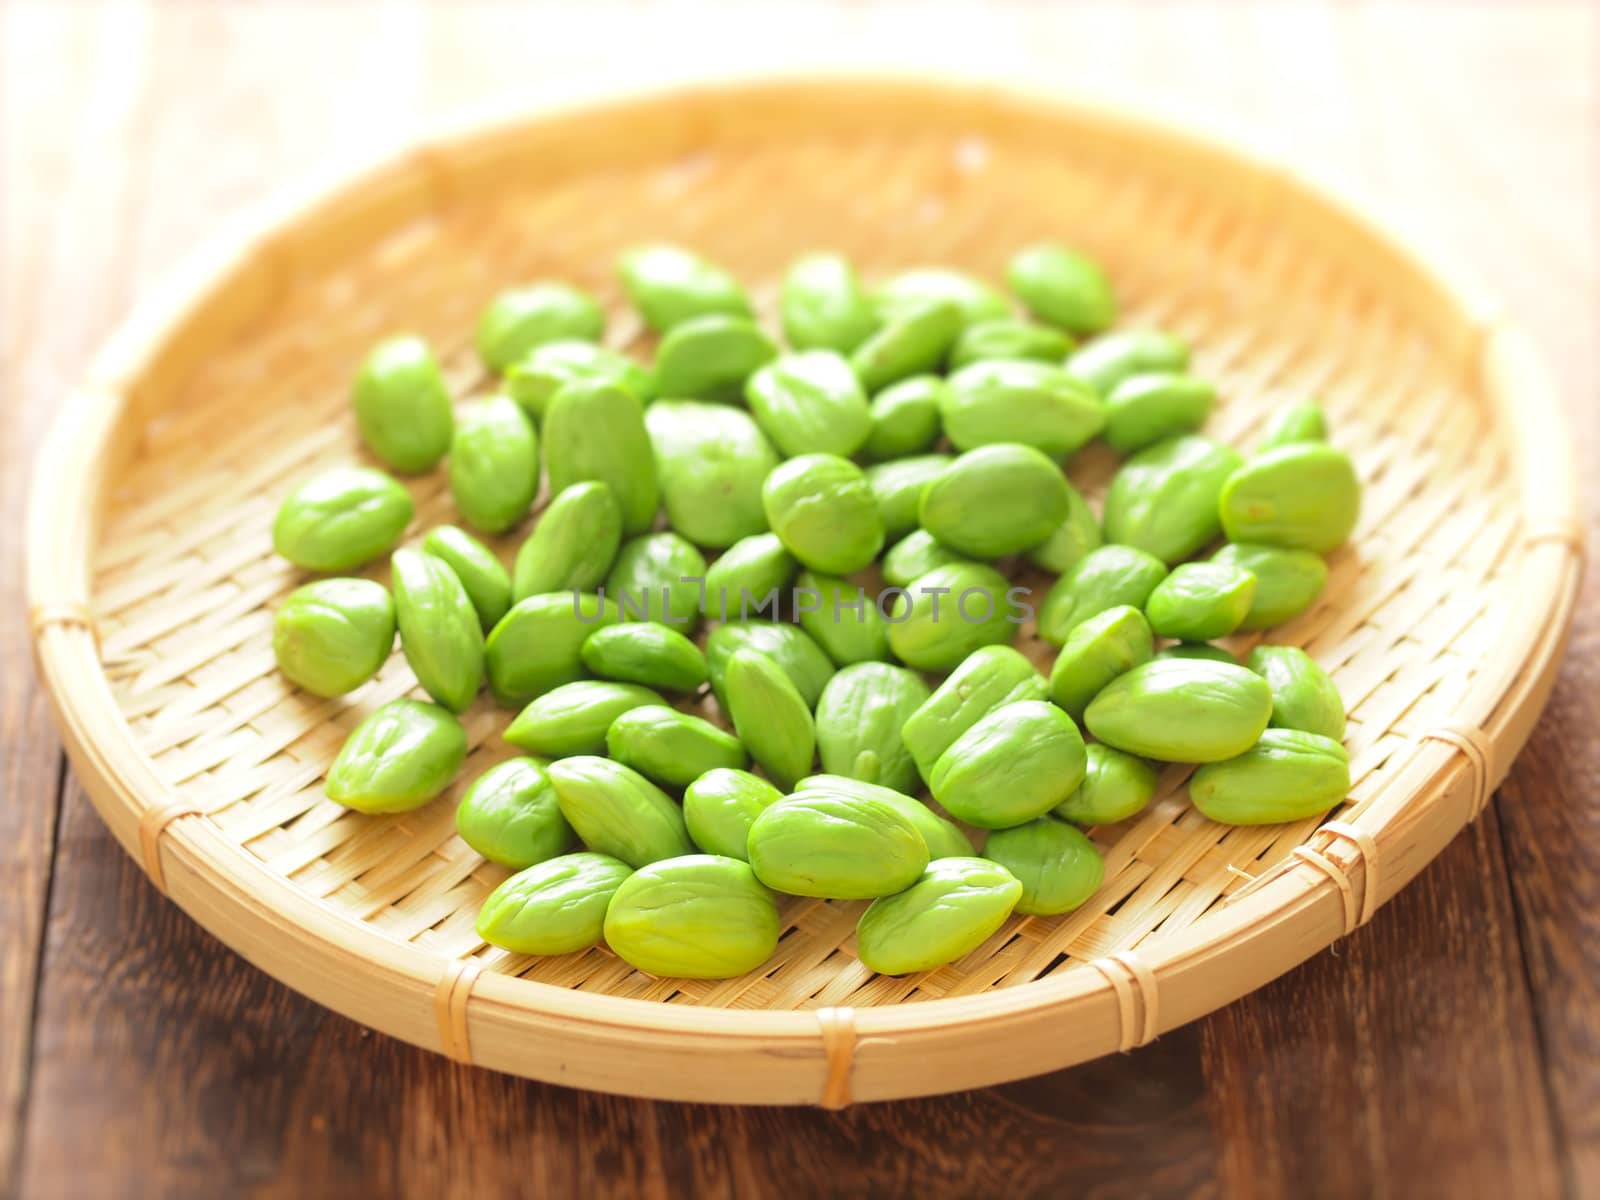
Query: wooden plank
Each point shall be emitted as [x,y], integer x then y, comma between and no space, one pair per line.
[200,1076]
[1526,212]
[1404,1063]
[1551,827]
[50,322]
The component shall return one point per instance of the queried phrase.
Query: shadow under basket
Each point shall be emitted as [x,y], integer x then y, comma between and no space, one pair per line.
[153,582]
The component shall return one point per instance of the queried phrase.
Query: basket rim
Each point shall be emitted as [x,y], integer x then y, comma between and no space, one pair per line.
[65,498]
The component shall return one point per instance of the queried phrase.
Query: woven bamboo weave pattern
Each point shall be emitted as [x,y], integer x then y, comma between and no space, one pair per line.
[1441,621]
[186,581]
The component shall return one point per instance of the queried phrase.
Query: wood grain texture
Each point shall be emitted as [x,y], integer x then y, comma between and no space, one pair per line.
[1450,1047]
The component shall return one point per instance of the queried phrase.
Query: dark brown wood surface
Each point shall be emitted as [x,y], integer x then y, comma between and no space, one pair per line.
[1450,1048]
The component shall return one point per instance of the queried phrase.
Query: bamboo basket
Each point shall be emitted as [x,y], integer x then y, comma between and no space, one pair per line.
[152,581]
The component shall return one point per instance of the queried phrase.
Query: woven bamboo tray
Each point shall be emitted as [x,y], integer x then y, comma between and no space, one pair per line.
[152,579]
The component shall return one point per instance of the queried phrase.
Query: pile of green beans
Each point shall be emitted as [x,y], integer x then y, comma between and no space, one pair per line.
[888,448]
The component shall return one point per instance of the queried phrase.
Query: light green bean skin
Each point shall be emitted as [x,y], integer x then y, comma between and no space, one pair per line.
[1304,696]
[837,846]
[985,680]
[1182,710]
[823,509]
[670,285]
[794,650]
[1115,786]
[521,318]
[597,431]
[647,653]
[573,718]
[341,519]
[1303,422]
[712,460]
[842,618]
[898,485]
[550,366]
[914,556]
[1063,287]
[403,406]
[1032,403]
[670,747]
[617,811]
[905,418]
[721,805]
[1199,601]
[494,465]
[1112,357]
[1287,581]
[537,644]
[910,342]
[1289,775]
[948,913]
[554,907]
[332,635]
[1152,407]
[1009,338]
[398,759]
[943,836]
[485,580]
[824,306]
[917,288]
[1164,499]
[1059,868]
[948,613]
[745,575]
[859,719]
[995,500]
[1017,763]
[1200,650]
[1095,653]
[810,403]
[511,817]
[658,577]
[701,916]
[573,545]
[439,630]
[1104,578]
[1075,537]
[710,358]
[770,716]
[1303,496]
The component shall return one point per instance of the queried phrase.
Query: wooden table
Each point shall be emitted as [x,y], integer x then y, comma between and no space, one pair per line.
[1449,1048]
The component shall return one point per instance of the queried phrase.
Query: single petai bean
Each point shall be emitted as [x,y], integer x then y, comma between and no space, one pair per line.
[617,811]
[573,718]
[485,580]
[332,635]
[439,630]
[859,719]
[398,759]
[341,519]
[554,907]
[573,544]
[511,817]
[701,916]
[402,405]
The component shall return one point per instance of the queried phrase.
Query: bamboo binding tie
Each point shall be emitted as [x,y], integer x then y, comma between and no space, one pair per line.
[42,616]
[450,1006]
[1367,853]
[1135,986]
[1565,529]
[152,824]
[838,1027]
[1479,750]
